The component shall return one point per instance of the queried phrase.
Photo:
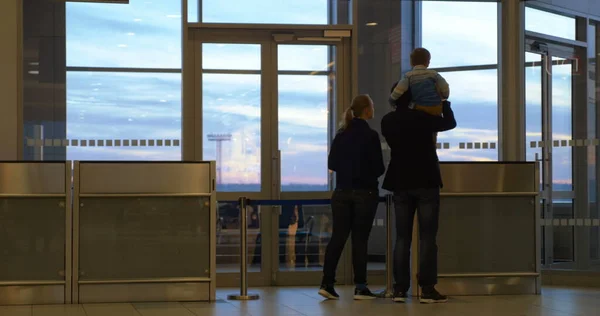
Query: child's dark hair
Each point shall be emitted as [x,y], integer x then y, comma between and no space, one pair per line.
[420,56]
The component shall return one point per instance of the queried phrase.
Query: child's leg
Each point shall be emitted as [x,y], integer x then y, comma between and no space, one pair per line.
[435,110]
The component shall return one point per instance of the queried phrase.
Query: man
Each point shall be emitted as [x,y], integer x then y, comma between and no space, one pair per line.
[414,177]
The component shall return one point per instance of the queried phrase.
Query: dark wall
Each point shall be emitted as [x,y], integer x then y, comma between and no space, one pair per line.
[44,75]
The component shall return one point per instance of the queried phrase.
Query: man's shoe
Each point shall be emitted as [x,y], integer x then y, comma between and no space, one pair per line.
[431,296]
[328,292]
[363,294]
[399,297]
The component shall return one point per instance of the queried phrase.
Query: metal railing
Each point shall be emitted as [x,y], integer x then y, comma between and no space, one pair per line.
[244,202]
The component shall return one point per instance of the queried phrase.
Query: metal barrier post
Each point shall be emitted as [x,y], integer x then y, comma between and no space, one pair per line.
[243,296]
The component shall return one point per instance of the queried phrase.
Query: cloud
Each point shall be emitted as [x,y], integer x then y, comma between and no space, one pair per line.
[266,11]
[99,35]
[460,33]
[303,148]
[287,115]
[549,23]
[124,153]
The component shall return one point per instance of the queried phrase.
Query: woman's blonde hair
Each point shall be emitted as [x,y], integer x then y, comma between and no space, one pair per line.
[360,104]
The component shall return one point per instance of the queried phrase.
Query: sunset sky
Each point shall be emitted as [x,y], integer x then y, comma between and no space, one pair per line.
[146,34]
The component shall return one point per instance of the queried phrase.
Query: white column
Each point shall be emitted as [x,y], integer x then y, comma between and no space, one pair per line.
[10,79]
[512,81]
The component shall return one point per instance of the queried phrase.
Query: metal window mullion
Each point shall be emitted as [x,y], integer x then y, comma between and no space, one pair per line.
[123,69]
[547,154]
[272,184]
[230,71]
[579,165]
[466,68]
[258,72]
[554,39]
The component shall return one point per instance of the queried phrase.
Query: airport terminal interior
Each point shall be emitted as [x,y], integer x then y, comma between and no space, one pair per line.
[132,133]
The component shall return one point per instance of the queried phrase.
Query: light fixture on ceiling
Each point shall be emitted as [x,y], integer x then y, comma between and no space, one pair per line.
[372,24]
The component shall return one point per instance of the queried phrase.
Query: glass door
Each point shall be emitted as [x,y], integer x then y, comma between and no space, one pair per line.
[549,72]
[267,101]
[309,92]
[232,119]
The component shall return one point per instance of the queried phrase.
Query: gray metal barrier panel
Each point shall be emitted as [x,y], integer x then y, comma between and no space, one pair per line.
[35,233]
[489,237]
[144,231]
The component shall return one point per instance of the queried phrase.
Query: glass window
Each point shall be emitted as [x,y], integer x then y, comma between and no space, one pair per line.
[592,161]
[231,56]
[266,11]
[533,104]
[143,109]
[303,57]
[193,10]
[562,166]
[474,97]
[549,23]
[141,34]
[303,137]
[305,98]
[460,33]
[231,115]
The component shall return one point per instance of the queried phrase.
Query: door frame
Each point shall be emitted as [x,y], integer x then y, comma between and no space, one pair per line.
[548,47]
[269,37]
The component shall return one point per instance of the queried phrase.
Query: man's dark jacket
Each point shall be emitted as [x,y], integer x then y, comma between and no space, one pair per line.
[409,134]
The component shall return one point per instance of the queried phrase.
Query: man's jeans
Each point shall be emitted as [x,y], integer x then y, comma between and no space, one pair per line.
[427,203]
[353,212]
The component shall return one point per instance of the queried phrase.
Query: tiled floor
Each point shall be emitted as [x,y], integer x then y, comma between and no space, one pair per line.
[304,301]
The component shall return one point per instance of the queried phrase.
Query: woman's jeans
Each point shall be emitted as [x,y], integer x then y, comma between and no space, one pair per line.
[353,213]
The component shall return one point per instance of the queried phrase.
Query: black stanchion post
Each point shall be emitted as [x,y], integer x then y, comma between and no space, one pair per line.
[243,296]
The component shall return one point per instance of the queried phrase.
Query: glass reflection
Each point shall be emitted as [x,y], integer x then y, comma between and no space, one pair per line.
[231,117]
[124,106]
[266,11]
[475,106]
[303,57]
[303,137]
[304,232]
[231,56]
[228,238]
[533,107]
[562,157]
[549,23]
[133,35]
[452,28]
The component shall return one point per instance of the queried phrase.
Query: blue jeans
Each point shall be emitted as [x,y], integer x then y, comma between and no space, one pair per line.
[353,213]
[426,202]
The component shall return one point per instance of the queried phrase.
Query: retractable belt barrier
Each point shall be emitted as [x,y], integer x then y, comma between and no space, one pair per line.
[244,202]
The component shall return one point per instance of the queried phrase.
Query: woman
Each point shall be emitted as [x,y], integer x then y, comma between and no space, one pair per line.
[357,161]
